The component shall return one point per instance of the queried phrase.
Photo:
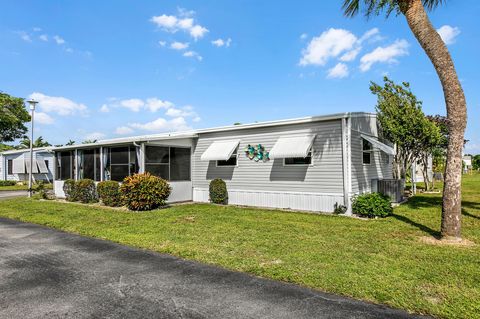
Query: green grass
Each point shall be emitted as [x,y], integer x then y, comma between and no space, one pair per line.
[381,260]
[21,187]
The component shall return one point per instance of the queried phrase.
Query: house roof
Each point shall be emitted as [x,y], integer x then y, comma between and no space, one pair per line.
[26,150]
[196,133]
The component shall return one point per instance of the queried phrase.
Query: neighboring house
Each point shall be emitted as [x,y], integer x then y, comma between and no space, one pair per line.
[308,163]
[15,165]
[467,163]
[420,169]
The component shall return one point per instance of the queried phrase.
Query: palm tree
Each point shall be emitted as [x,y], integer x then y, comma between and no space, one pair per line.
[39,142]
[436,50]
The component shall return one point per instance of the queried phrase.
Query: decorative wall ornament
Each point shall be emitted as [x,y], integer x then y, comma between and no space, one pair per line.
[257,153]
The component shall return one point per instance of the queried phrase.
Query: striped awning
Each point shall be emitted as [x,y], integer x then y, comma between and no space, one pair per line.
[42,167]
[18,166]
[220,150]
[292,146]
[376,143]
[34,166]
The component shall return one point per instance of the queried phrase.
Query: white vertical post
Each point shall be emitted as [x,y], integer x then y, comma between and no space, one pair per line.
[347,184]
[102,165]
[30,174]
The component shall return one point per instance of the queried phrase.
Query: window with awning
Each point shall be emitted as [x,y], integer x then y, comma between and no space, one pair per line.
[377,144]
[220,150]
[42,166]
[292,147]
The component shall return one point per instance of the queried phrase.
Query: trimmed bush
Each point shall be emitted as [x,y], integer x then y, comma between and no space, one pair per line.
[372,205]
[85,191]
[218,191]
[144,191]
[69,188]
[39,189]
[8,183]
[109,193]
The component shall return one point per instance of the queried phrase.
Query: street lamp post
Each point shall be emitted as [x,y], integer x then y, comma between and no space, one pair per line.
[32,104]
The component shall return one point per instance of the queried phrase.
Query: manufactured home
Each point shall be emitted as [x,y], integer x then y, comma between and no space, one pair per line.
[15,165]
[309,163]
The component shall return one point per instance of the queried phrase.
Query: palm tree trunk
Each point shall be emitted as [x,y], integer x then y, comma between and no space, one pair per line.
[438,53]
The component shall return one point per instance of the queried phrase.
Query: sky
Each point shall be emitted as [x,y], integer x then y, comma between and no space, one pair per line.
[107,69]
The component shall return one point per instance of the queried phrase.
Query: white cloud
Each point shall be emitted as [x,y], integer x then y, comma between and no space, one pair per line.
[163,125]
[339,71]
[221,42]
[329,44]
[24,36]
[154,104]
[448,34]
[185,22]
[43,37]
[179,45]
[197,31]
[186,111]
[58,39]
[132,104]
[43,118]
[123,130]
[303,36]
[95,136]
[373,34]
[386,54]
[37,29]
[193,54]
[104,108]
[162,43]
[350,55]
[58,104]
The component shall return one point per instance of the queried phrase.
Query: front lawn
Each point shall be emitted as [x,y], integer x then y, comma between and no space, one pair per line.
[20,187]
[382,260]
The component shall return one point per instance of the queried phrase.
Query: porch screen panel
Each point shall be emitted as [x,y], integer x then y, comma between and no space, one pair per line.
[179,164]
[119,163]
[64,165]
[157,161]
[88,164]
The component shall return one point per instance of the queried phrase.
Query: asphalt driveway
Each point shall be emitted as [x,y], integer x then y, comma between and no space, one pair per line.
[11,194]
[46,273]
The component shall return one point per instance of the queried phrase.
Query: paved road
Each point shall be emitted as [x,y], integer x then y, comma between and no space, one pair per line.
[45,273]
[10,194]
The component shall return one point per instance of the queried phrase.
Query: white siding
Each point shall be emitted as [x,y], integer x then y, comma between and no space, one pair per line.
[26,154]
[379,168]
[271,183]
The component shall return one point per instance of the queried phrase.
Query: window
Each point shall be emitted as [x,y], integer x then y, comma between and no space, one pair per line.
[65,166]
[299,160]
[10,167]
[121,162]
[170,163]
[46,164]
[366,151]
[232,161]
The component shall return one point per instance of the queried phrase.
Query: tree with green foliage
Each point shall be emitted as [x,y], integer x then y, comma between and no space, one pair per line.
[89,141]
[13,117]
[402,122]
[39,142]
[70,142]
[476,162]
[415,12]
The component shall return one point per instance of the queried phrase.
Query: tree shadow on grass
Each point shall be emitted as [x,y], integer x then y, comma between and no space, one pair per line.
[464,212]
[426,229]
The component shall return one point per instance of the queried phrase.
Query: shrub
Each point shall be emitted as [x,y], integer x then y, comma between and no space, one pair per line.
[8,183]
[85,191]
[109,193]
[372,205]
[69,188]
[339,209]
[39,189]
[144,191]
[218,191]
